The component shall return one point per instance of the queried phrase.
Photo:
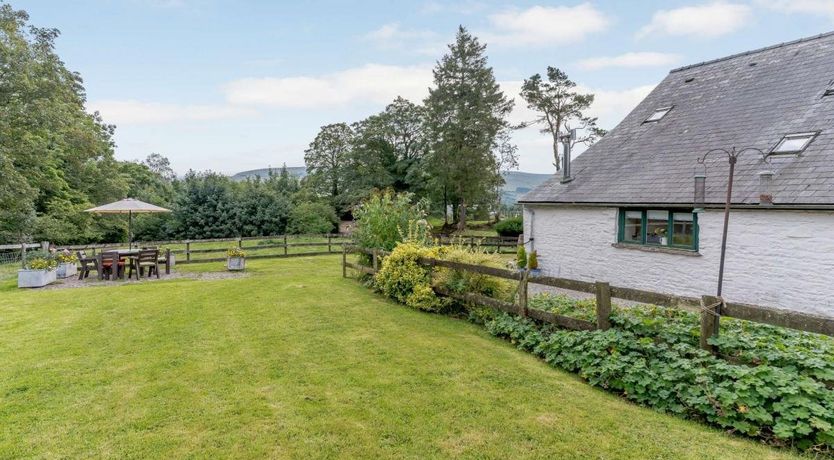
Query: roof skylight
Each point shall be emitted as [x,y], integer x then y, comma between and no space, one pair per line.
[794,143]
[658,114]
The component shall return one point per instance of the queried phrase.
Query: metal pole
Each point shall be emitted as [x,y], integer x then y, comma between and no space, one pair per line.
[129,226]
[726,223]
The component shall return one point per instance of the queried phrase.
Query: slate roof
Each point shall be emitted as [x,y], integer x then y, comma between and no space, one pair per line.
[751,99]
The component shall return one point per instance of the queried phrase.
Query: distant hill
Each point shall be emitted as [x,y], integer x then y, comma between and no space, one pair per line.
[298,171]
[517,183]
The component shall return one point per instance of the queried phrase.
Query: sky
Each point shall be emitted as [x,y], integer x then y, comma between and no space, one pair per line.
[235,85]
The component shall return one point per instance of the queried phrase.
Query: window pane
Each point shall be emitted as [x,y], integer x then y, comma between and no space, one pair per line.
[658,114]
[657,224]
[793,143]
[633,231]
[683,229]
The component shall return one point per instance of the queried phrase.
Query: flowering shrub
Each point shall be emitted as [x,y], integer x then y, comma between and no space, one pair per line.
[235,251]
[42,263]
[66,257]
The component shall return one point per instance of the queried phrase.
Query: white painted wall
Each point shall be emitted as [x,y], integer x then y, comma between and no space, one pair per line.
[774,258]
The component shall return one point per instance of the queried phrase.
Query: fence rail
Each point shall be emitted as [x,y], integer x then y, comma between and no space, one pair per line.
[186,252]
[711,308]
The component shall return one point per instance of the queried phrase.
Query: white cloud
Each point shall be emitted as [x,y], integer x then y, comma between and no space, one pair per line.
[630,60]
[394,36]
[371,83]
[462,7]
[544,25]
[825,7]
[134,112]
[708,20]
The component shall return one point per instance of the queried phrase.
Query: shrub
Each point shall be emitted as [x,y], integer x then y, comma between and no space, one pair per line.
[312,218]
[533,263]
[521,257]
[461,281]
[384,218]
[403,279]
[510,227]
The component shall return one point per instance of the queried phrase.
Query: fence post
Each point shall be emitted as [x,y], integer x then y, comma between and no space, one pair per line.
[603,292]
[188,252]
[328,243]
[375,260]
[285,245]
[45,246]
[522,294]
[22,255]
[239,242]
[168,261]
[710,320]
[344,261]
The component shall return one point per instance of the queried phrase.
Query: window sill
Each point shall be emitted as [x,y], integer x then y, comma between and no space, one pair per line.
[665,250]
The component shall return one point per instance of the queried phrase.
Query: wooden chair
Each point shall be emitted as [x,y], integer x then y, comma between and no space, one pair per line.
[163,259]
[87,264]
[147,258]
[111,265]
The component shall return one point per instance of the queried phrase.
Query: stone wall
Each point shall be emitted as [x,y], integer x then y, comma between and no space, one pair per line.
[774,258]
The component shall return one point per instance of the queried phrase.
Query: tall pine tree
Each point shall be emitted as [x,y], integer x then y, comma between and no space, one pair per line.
[466,112]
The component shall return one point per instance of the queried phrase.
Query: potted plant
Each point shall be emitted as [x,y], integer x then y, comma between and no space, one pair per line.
[66,264]
[660,236]
[39,272]
[235,259]
[521,258]
[533,263]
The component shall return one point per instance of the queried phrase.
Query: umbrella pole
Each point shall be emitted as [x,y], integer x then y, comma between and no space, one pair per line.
[129,226]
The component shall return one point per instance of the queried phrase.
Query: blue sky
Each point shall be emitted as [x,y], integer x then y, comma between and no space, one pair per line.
[234,85]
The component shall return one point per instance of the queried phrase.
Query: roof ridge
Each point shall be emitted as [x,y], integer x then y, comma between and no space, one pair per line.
[759,50]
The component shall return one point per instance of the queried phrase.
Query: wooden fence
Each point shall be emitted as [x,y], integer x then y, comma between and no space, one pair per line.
[330,244]
[502,244]
[711,308]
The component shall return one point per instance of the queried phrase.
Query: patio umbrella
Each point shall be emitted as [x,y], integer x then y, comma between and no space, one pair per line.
[130,207]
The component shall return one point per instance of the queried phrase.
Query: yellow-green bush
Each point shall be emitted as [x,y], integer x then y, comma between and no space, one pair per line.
[403,279]
[465,281]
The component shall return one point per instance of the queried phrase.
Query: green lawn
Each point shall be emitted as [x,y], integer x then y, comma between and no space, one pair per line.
[294,361]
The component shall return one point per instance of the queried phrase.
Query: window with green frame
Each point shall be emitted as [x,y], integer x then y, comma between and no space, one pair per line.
[659,227]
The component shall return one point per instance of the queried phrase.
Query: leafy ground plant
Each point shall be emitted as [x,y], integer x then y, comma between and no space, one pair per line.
[776,388]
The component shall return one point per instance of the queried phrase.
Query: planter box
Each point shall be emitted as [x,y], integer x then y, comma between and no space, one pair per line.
[35,278]
[66,270]
[235,263]
[535,271]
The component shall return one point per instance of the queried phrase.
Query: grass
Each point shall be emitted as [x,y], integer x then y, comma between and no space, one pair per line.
[295,361]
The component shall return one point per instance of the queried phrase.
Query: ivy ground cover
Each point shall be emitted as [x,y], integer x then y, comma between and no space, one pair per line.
[293,361]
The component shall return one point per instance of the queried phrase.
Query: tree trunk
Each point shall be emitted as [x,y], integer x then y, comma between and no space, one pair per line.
[445,207]
[462,216]
[556,161]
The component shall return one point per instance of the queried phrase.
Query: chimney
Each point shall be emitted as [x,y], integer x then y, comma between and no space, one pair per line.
[566,141]
[766,188]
